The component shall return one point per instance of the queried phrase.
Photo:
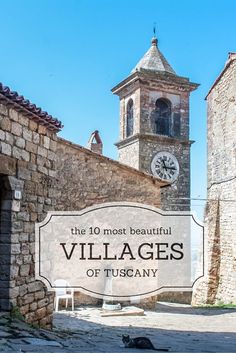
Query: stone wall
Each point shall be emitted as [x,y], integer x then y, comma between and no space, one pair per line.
[49,173]
[135,96]
[27,164]
[132,150]
[219,284]
[85,179]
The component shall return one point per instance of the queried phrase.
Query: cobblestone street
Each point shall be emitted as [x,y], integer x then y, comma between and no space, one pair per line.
[176,327]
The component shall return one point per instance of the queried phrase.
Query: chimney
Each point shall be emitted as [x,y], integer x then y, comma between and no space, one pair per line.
[95,142]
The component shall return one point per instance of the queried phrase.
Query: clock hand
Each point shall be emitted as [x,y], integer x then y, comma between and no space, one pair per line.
[164,164]
[172,168]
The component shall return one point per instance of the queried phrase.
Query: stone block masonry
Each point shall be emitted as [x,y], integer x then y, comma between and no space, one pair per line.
[27,166]
[219,283]
[40,172]
[139,149]
[87,178]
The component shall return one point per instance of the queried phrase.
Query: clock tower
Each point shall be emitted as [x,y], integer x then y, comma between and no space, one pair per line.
[154,125]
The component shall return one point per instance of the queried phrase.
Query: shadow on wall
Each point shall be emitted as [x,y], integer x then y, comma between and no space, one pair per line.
[5,243]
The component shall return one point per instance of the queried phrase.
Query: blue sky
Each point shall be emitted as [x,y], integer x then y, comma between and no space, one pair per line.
[66,55]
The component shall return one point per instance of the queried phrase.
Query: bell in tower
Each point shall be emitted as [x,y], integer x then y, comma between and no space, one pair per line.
[154,125]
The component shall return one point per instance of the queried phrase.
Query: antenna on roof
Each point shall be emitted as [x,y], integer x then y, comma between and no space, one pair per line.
[154,38]
[154,29]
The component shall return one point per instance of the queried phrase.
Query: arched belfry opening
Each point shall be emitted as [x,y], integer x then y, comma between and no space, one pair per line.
[130,118]
[161,117]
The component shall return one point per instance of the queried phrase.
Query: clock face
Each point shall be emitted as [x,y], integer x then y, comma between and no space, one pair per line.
[165,166]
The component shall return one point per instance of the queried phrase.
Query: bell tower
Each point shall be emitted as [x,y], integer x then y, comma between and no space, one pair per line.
[154,125]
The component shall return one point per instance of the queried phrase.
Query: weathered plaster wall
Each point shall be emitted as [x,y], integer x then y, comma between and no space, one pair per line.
[132,150]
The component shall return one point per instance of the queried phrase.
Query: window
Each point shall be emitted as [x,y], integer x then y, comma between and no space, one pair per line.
[161,117]
[130,118]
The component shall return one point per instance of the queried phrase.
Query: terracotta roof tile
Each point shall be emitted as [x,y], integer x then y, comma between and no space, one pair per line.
[29,109]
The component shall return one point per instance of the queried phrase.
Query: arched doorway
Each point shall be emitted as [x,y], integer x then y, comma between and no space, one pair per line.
[5,242]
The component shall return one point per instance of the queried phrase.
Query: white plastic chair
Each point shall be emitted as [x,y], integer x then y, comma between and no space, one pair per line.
[64,293]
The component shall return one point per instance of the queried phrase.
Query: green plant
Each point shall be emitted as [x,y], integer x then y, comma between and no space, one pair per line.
[15,313]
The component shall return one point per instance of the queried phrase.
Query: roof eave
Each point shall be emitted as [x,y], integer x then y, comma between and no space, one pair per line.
[219,77]
[23,105]
[140,74]
[116,89]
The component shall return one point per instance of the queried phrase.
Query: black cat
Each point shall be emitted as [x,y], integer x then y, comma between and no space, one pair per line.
[141,343]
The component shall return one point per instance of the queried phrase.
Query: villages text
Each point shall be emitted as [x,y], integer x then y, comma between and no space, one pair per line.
[105,251]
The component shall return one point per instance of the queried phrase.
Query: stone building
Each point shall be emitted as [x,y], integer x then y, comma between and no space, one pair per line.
[40,172]
[219,283]
[154,125]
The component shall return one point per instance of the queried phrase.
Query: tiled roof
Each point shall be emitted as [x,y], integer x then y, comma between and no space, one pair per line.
[154,60]
[31,110]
